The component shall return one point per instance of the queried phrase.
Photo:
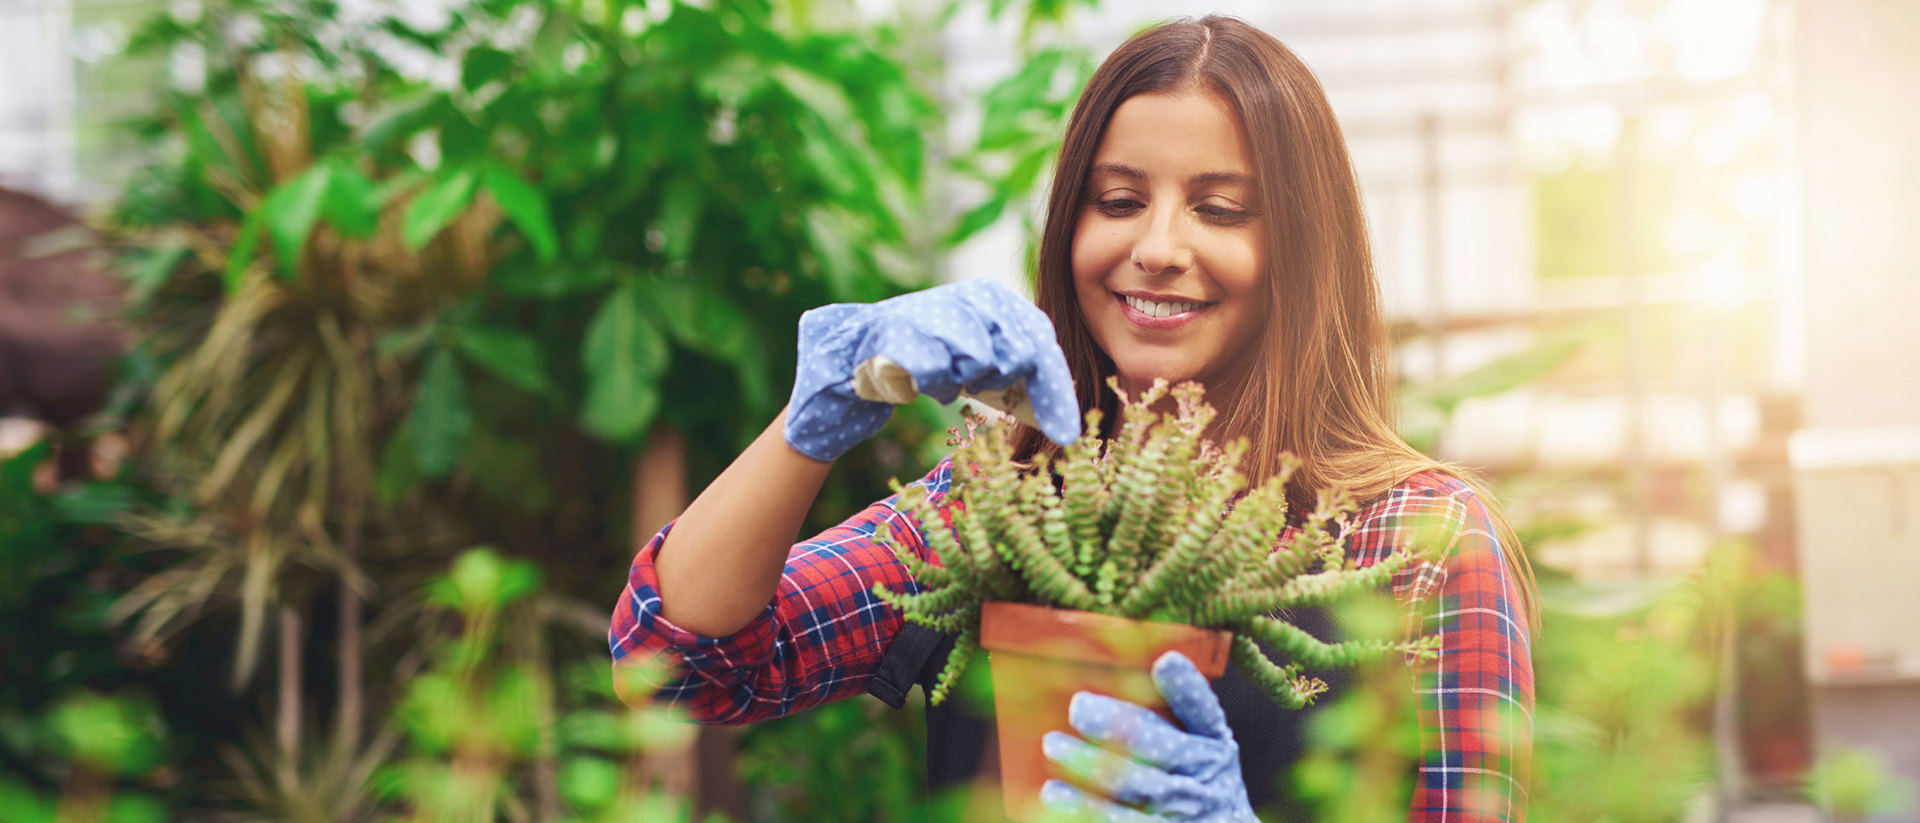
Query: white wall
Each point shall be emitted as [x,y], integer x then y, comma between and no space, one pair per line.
[36,98]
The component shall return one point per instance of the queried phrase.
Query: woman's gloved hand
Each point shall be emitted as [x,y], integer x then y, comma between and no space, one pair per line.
[1148,769]
[858,360]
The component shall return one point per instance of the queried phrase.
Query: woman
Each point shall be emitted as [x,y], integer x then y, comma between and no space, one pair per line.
[1204,224]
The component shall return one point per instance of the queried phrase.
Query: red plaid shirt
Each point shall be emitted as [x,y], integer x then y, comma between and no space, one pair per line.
[824,632]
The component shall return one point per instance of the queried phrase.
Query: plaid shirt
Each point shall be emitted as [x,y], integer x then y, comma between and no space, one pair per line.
[824,633]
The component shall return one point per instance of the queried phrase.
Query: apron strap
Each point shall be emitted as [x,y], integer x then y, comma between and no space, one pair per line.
[903,663]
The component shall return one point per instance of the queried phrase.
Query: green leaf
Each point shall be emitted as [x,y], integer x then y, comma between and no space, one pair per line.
[514,475]
[623,356]
[1007,107]
[830,233]
[976,218]
[1502,375]
[135,808]
[526,207]
[827,155]
[107,734]
[353,202]
[826,98]
[440,419]
[553,281]
[158,34]
[290,211]
[205,152]
[434,208]
[391,187]
[400,342]
[680,216]
[399,471]
[1026,174]
[405,118]
[99,503]
[16,471]
[241,255]
[733,80]
[511,355]
[484,581]
[482,66]
[700,318]
[588,783]
[19,803]
[153,270]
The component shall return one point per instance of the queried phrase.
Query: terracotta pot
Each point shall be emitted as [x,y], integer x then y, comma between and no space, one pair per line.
[1040,656]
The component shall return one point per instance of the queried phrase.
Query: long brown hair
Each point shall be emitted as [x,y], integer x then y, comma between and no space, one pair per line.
[1318,384]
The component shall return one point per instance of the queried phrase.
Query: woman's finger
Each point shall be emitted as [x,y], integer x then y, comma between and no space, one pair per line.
[1066,803]
[1094,766]
[1132,728]
[1050,390]
[1122,778]
[1190,696]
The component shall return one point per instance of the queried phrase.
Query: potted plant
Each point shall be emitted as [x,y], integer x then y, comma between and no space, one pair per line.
[1076,572]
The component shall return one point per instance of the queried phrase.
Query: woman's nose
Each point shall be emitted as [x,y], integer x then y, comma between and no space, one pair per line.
[1162,247]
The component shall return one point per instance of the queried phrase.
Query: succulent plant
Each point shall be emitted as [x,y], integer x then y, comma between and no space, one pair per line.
[1149,525]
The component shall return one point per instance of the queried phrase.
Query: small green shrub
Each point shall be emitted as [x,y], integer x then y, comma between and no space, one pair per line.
[1149,525]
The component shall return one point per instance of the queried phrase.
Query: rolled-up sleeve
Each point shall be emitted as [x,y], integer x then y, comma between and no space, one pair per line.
[819,638]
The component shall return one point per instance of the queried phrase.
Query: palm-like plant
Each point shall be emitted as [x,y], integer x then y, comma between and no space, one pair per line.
[371,343]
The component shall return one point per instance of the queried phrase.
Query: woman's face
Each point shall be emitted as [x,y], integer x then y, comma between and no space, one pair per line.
[1170,249]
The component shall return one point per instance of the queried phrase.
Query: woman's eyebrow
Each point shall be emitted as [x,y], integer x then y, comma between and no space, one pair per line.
[1206,178]
[1210,178]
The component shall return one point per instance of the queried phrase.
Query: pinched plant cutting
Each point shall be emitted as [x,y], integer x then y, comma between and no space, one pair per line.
[1151,525]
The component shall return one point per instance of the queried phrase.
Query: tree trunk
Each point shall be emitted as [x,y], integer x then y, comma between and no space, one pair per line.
[350,710]
[288,727]
[546,766]
[706,768]
[659,483]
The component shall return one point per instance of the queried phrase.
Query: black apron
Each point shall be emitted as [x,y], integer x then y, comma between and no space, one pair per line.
[1271,738]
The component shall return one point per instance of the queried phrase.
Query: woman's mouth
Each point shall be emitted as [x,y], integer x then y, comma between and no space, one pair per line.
[1156,314]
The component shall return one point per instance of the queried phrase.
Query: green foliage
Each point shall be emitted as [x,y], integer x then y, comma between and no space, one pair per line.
[1019,137]
[389,317]
[1149,525]
[1625,679]
[98,745]
[390,314]
[489,707]
[1852,784]
[852,760]
[1425,408]
[1363,747]
[112,736]
[359,286]
[78,730]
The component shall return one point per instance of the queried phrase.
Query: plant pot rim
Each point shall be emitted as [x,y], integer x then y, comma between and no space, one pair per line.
[1089,637]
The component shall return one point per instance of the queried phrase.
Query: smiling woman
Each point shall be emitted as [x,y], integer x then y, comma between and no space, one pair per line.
[1204,225]
[1169,257]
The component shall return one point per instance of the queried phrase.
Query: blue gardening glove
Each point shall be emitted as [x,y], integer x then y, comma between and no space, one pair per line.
[858,360]
[1164,773]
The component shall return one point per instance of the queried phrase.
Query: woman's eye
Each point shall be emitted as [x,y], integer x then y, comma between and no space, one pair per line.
[1222,214]
[1119,206]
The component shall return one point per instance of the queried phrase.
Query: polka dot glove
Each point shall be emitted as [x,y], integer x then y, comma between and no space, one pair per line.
[1146,768]
[859,360]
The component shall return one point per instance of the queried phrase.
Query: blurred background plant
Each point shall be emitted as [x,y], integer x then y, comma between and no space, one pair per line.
[402,280]
[403,287]
[1852,785]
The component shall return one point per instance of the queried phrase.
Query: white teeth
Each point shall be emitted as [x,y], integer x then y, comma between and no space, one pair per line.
[1153,309]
